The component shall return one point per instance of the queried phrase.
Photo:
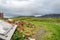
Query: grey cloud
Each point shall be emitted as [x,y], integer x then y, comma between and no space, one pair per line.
[29,7]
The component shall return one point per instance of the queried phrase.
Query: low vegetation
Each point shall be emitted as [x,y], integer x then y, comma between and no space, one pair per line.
[37,28]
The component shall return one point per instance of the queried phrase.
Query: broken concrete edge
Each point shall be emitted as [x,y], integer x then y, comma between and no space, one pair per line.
[10,33]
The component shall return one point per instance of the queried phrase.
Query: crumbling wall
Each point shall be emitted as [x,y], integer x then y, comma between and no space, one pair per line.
[1,15]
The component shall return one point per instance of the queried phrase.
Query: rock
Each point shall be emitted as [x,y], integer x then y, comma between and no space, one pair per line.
[31,39]
[11,21]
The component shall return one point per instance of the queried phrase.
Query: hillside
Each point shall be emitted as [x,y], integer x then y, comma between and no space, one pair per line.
[51,15]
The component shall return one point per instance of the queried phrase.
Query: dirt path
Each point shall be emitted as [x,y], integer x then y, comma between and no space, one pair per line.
[40,33]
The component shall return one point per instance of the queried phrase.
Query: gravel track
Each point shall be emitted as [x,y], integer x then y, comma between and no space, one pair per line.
[40,33]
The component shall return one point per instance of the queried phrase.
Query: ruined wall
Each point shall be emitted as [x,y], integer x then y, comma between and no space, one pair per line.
[1,15]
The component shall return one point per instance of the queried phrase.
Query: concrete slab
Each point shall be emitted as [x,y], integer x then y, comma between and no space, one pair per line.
[9,34]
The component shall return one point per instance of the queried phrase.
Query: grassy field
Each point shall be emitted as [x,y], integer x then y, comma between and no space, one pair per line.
[45,28]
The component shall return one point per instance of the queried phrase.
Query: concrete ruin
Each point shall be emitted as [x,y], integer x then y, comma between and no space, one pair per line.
[6,30]
[1,15]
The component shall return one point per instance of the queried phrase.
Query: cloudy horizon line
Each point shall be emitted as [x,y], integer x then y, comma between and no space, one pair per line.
[29,7]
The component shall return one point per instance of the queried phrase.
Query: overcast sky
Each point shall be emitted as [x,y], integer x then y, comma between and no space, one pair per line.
[29,7]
